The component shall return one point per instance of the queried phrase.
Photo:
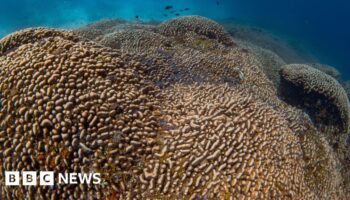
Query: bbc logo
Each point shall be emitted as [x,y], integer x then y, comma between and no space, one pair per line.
[29,178]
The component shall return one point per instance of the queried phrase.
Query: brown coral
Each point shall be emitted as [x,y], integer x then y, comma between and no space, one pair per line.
[331,71]
[194,58]
[134,40]
[99,28]
[270,62]
[72,111]
[323,95]
[107,26]
[197,24]
[194,119]
[221,142]
[31,35]
[346,86]
[321,166]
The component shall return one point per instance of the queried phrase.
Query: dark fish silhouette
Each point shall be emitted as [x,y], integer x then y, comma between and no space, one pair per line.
[168,7]
[136,16]
[186,9]
[177,14]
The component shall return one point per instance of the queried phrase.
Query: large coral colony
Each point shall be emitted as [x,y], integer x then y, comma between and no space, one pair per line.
[175,110]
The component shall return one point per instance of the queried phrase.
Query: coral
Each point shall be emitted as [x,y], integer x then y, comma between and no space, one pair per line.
[317,90]
[221,142]
[346,86]
[192,59]
[134,40]
[321,165]
[163,112]
[99,28]
[72,107]
[31,35]
[198,25]
[270,62]
[107,26]
[331,71]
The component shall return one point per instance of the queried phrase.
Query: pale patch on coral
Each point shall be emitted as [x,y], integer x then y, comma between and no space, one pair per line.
[331,71]
[107,26]
[270,62]
[197,24]
[135,41]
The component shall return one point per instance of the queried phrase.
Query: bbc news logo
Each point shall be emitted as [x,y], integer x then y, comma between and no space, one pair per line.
[30,178]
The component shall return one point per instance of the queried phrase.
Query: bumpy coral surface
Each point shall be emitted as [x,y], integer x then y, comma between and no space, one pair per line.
[169,111]
[315,81]
[29,36]
[270,62]
[99,28]
[103,27]
[346,86]
[331,71]
[321,165]
[137,40]
[70,107]
[198,25]
[221,144]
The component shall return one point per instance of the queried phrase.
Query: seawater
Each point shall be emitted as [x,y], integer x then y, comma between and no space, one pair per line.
[320,27]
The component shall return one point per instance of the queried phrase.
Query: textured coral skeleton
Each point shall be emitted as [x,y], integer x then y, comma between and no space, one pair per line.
[178,110]
[315,81]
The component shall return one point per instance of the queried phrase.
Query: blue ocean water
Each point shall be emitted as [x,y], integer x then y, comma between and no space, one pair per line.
[322,27]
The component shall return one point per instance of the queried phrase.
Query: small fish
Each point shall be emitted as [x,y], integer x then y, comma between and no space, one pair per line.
[168,7]
[136,16]
[217,3]
[186,9]
[177,14]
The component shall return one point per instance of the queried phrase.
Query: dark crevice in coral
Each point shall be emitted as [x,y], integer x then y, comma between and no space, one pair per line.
[321,111]
[9,51]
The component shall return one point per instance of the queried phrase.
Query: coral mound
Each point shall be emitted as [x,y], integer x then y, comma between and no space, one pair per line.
[330,94]
[169,111]
[72,107]
[321,165]
[331,71]
[135,40]
[99,28]
[29,36]
[346,86]
[223,142]
[269,62]
[197,24]
[103,27]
